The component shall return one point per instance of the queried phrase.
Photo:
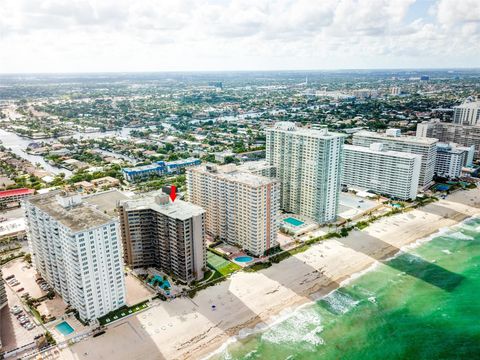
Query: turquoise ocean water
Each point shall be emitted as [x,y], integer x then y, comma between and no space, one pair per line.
[422,304]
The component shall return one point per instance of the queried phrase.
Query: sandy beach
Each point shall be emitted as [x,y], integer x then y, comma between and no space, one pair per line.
[190,329]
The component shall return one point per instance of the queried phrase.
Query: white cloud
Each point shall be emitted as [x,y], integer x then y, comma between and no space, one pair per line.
[150,35]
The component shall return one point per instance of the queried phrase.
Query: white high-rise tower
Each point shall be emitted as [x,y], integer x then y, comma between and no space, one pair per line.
[76,248]
[308,164]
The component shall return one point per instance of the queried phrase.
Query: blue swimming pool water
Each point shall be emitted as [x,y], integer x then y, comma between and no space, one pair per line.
[293,221]
[243,259]
[442,187]
[64,328]
[163,283]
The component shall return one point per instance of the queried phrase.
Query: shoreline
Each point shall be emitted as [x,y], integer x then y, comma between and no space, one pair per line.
[190,329]
[328,289]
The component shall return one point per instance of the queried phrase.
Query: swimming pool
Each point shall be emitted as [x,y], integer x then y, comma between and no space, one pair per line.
[442,187]
[243,259]
[293,221]
[164,284]
[64,328]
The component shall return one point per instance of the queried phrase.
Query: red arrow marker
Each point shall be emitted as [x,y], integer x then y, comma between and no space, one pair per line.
[173,192]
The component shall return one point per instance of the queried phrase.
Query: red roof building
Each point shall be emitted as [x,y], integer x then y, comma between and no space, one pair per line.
[14,195]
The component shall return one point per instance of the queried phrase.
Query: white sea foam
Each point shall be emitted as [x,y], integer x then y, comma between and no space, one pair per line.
[372,299]
[340,303]
[446,251]
[460,236]
[251,355]
[417,243]
[303,326]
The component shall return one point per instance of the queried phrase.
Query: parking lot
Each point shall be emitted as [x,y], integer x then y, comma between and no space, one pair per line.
[13,333]
[27,279]
[25,275]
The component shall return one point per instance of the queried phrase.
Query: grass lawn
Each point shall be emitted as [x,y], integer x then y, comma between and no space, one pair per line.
[220,265]
[122,312]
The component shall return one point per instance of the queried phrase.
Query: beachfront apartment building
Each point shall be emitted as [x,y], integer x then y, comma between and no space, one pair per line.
[3,302]
[241,208]
[394,141]
[451,158]
[169,236]
[3,293]
[464,135]
[467,113]
[76,248]
[158,168]
[391,173]
[308,164]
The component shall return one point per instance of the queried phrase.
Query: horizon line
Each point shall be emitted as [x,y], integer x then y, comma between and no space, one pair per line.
[235,71]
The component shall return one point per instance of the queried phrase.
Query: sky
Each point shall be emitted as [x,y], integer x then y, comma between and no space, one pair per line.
[222,35]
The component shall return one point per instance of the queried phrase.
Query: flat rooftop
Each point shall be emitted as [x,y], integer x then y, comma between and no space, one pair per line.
[79,217]
[404,138]
[232,173]
[14,192]
[469,105]
[178,209]
[381,152]
[291,128]
[106,201]
[254,165]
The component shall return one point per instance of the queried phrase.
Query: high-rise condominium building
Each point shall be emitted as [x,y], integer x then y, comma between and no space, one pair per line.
[308,164]
[3,294]
[76,248]
[467,113]
[241,208]
[394,141]
[395,91]
[451,159]
[3,303]
[465,135]
[164,235]
[384,172]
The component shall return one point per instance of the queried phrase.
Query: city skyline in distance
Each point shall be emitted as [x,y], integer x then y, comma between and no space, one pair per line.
[52,36]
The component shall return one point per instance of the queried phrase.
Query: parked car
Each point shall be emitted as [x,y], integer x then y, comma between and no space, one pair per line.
[20,290]
[30,326]
[9,277]
[16,310]
[24,321]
